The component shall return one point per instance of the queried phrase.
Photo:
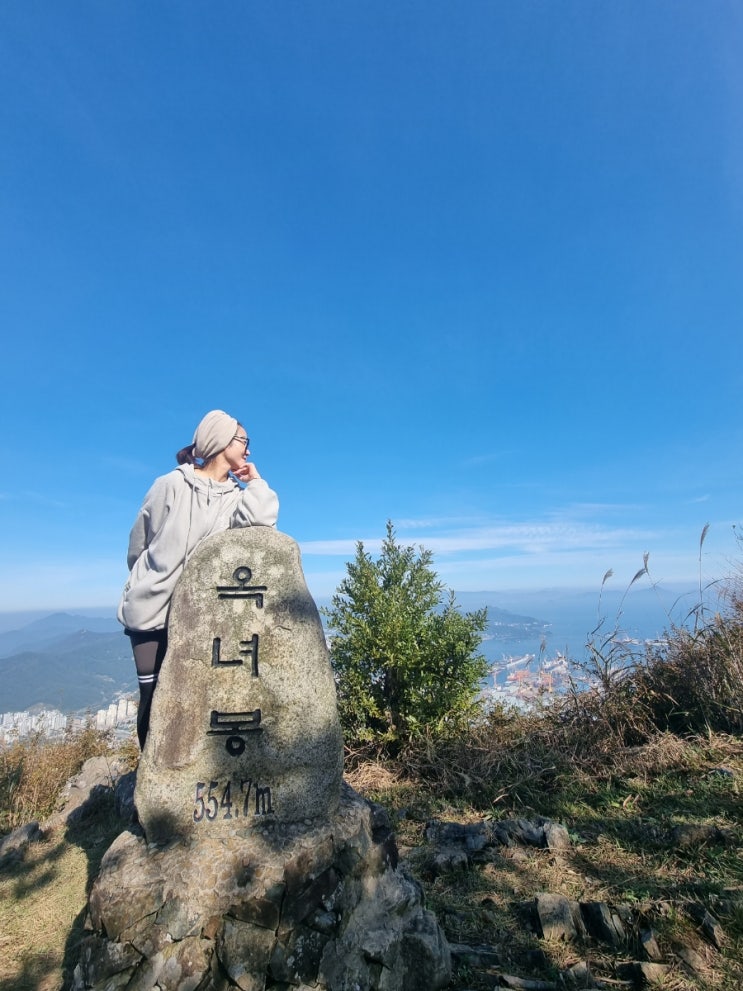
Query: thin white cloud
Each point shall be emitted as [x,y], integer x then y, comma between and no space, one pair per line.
[535,537]
[592,508]
[338,548]
[426,523]
[563,550]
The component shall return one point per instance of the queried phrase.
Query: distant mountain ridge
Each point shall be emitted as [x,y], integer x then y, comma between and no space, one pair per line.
[470,601]
[65,661]
[47,629]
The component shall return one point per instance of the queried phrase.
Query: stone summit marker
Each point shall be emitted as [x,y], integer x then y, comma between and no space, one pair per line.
[253,865]
[244,723]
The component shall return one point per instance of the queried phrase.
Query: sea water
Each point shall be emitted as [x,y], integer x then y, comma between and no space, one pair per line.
[562,629]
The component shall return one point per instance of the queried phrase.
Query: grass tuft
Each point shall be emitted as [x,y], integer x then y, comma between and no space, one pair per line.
[33,772]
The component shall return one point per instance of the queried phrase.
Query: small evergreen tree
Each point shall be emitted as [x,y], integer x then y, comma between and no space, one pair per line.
[404,657]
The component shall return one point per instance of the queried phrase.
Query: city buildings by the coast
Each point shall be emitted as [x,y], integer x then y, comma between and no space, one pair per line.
[119,716]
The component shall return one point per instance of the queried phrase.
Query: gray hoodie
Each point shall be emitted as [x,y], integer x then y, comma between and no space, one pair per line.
[178,512]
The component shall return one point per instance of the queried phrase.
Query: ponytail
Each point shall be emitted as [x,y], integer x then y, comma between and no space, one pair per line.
[186,455]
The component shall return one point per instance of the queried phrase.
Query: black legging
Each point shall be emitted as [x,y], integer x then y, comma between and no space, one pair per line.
[148,647]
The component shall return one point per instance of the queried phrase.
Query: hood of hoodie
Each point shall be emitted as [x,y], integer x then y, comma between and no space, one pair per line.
[205,487]
[208,506]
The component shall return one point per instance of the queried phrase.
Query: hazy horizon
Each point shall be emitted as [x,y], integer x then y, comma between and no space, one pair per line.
[663,597]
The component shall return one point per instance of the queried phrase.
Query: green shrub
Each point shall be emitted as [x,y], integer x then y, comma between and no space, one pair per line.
[404,657]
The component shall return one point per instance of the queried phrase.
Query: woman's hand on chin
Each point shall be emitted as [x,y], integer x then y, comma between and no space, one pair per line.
[246,472]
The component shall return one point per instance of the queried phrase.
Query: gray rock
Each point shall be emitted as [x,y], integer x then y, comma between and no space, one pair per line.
[83,793]
[526,983]
[555,917]
[642,974]
[179,917]
[578,976]
[556,836]
[471,836]
[448,861]
[602,923]
[103,959]
[477,836]
[311,905]
[124,797]
[475,956]
[691,834]
[244,950]
[13,846]
[710,926]
[694,963]
[650,947]
[184,964]
[522,831]
[244,728]
[426,961]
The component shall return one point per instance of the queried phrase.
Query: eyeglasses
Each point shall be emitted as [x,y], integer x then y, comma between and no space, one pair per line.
[243,440]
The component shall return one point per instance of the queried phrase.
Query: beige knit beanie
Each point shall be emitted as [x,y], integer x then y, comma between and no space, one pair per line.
[213,434]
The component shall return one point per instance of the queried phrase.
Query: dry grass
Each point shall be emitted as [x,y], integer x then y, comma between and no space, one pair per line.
[643,750]
[34,771]
[696,682]
[43,898]
[45,894]
[667,752]
[374,776]
[620,823]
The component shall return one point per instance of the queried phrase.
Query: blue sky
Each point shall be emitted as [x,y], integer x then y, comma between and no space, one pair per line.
[473,267]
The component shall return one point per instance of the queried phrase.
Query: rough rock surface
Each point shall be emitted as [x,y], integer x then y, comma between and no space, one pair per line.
[289,905]
[97,776]
[244,720]
[14,845]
